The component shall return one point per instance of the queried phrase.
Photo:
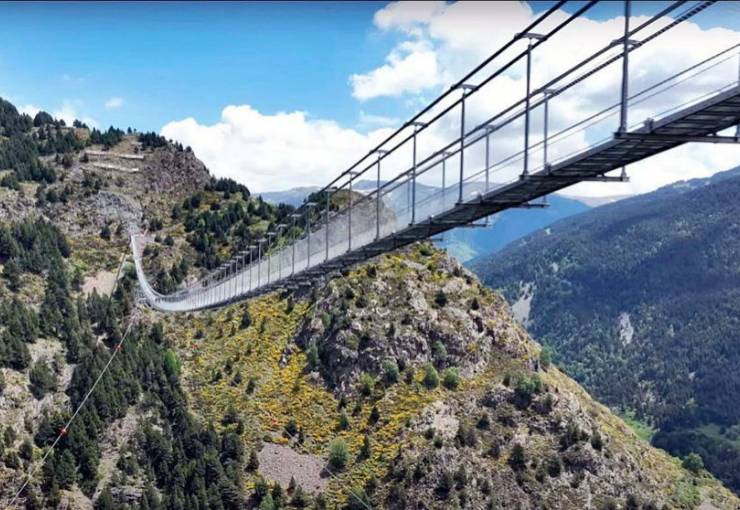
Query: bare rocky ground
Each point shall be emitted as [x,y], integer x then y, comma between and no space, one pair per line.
[280,463]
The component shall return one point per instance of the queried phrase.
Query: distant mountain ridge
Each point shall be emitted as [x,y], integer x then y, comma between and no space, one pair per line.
[640,300]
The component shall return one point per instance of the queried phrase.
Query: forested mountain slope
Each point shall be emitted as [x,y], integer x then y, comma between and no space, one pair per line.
[403,383]
[640,301]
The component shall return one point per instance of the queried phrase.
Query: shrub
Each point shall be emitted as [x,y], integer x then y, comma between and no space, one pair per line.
[554,467]
[390,372]
[374,415]
[466,435]
[338,454]
[525,390]
[518,459]
[42,380]
[367,383]
[439,350]
[431,378]
[312,354]
[693,462]
[366,449]
[545,357]
[105,232]
[483,422]
[253,464]
[246,319]
[597,442]
[291,428]
[343,423]
[451,378]
[440,298]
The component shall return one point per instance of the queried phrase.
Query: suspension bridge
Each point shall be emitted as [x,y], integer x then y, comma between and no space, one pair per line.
[453,163]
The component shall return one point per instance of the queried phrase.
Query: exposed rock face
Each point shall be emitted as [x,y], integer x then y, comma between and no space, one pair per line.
[413,310]
[513,434]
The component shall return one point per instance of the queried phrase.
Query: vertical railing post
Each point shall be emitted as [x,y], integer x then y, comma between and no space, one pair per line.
[259,261]
[326,224]
[295,217]
[465,90]
[489,130]
[251,264]
[526,109]
[309,206]
[417,126]
[381,153]
[548,93]
[281,228]
[530,37]
[445,155]
[737,128]
[349,215]
[625,69]
[270,235]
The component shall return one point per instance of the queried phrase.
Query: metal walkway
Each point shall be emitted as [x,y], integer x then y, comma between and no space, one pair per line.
[425,198]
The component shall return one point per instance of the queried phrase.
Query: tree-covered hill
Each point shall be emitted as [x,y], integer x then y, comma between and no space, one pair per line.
[401,383]
[640,301]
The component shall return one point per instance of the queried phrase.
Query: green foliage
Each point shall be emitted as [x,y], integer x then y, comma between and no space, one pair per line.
[667,262]
[343,423]
[431,378]
[693,462]
[246,320]
[312,355]
[518,458]
[42,380]
[440,299]
[391,373]
[440,351]
[367,383]
[451,378]
[366,449]
[526,389]
[338,454]
[545,357]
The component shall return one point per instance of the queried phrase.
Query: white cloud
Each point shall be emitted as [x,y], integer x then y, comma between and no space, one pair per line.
[113,103]
[406,15]
[273,152]
[442,41]
[369,120]
[69,112]
[411,68]
[29,109]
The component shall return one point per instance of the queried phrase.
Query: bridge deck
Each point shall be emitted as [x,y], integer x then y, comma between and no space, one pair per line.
[701,119]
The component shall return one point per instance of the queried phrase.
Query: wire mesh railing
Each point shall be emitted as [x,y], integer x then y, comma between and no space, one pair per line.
[460,149]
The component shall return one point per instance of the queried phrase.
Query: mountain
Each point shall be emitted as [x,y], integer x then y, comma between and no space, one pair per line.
[465,244]
[402,383]
[639,301]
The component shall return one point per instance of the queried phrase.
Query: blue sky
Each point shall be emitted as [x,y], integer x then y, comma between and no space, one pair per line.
[147,65]
[174,60]
[169,60]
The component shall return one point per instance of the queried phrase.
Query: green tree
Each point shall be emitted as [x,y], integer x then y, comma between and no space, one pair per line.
[693,462]
[338,453]
[390,371]
[431,378]
[451,378]
[42,380]
[518,459]
[12,273]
